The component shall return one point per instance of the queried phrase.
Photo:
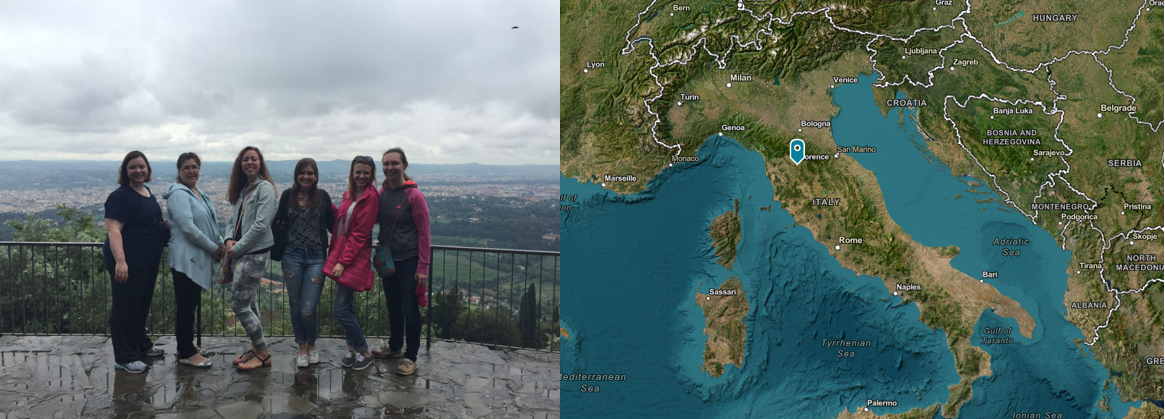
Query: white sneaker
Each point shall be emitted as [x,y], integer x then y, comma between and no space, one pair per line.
[132,367]
[313,357]
[301,361]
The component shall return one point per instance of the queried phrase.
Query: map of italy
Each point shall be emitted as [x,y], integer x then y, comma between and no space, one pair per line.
[864,208]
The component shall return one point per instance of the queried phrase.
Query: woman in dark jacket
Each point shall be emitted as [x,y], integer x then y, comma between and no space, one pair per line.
[136,234]
[404,226]
[303,220]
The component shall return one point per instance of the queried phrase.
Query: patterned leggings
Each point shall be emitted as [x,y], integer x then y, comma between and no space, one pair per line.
[249,269]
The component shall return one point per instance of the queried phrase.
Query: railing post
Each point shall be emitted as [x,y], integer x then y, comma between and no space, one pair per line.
[429,311]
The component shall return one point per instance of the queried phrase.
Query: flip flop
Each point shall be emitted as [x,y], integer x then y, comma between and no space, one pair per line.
[238,359]
[265,362]
[204,364]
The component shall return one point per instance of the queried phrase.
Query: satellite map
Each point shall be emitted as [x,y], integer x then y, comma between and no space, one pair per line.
[862,208]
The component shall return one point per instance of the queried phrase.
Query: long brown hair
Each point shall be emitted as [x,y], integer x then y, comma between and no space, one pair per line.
[352,176]
[239,179]
[404,160]
[313,198]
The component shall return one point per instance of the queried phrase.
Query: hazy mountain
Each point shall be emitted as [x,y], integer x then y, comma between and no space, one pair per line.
[25,174]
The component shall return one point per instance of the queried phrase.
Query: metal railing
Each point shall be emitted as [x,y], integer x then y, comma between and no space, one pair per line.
[497,297]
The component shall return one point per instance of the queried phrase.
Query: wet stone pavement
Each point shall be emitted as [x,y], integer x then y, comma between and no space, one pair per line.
[73,376]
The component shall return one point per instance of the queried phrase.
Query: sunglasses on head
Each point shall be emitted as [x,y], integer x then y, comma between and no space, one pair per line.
[364,159]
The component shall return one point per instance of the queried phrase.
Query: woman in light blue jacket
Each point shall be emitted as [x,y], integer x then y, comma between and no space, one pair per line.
[192,252]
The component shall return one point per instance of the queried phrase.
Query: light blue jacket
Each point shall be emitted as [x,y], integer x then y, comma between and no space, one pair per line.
[197,236]
[258,201]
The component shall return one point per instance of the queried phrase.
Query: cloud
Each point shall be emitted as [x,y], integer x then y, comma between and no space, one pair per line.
[451,81]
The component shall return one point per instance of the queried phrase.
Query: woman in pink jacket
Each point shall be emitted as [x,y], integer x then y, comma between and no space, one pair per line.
[350,256]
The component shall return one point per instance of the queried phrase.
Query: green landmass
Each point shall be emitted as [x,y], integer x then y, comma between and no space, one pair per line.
[915,413]
[725,328]
[725,233]
[1146,411]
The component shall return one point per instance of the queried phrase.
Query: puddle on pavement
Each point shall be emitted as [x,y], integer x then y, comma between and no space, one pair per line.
[424,383]
[165,395]
[364,412]
[87,383]
[395,411]
[46,374]
[326,384]
[12,358]
[331,385]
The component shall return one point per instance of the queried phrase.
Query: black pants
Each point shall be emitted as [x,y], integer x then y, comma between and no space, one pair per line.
[403,311]
[127,318]
[187,299]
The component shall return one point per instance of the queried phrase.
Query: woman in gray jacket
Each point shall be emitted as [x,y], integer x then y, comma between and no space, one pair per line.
[191,252]
[252,196]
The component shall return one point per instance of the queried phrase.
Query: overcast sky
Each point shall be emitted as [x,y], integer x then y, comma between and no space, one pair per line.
[450,82]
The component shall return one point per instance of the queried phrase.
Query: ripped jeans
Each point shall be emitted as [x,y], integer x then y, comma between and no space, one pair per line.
[303,274]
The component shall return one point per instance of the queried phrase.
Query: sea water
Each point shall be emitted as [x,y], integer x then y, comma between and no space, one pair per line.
[1046,373]
[633,264]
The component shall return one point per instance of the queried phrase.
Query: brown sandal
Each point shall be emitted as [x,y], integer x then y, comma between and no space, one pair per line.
[264,362]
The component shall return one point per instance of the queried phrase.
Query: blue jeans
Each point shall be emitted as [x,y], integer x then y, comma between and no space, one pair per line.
[303,274]
[344,308]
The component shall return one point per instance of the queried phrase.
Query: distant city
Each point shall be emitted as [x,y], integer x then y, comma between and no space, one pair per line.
[37,200]
[31,187]
[470,204]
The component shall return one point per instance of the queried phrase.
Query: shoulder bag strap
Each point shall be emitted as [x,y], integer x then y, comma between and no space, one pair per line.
[394,219]
[239,219]
[238,222]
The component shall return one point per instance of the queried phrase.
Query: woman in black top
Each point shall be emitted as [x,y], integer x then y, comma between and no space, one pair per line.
[136,234]
[303,220]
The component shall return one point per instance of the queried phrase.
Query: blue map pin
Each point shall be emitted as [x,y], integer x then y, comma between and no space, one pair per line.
[797,150]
